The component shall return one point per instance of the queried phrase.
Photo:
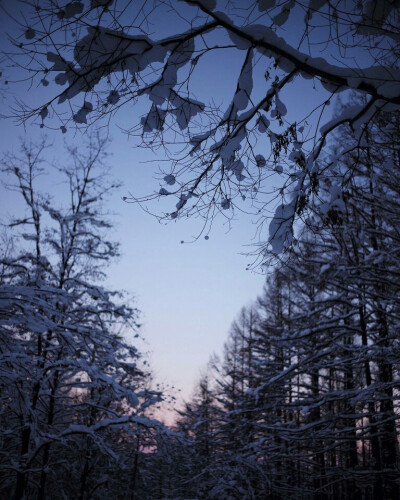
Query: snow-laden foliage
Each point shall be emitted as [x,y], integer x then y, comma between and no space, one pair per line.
[73,392]
[101,56]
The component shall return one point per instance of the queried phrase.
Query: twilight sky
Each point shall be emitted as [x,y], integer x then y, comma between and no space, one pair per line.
[189,293]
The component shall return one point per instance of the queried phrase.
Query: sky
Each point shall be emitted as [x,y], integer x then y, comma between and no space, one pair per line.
[189,293]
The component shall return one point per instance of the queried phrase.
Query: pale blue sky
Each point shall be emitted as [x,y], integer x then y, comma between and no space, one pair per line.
[189,293]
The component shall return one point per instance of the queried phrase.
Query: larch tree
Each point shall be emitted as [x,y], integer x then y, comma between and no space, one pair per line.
[368,241]
[320,418]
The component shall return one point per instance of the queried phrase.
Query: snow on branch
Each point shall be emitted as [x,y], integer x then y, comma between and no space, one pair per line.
[222,157]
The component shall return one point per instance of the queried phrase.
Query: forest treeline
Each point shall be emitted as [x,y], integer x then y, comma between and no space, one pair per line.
[303,402]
